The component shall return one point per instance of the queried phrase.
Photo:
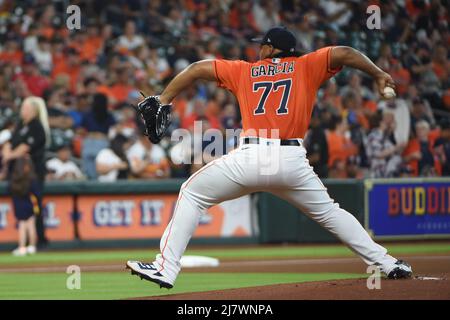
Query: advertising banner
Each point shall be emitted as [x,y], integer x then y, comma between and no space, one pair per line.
[146,216]
[57,218]
[408,208]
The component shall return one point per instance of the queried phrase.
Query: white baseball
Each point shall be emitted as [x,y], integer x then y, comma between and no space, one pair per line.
[388,93]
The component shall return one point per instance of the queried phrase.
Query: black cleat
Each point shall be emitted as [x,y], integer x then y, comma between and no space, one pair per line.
[401,271]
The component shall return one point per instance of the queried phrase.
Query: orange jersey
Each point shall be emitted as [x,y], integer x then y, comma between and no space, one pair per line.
[276,93]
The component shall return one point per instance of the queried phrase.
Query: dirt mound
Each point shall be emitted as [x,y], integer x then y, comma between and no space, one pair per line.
[355,289]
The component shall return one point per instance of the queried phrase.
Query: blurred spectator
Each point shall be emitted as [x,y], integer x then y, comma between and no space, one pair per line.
[34,81]
[330,99]
[61,123]
[442,147]
[69,65]
[25,192]
[355,85]
[30,138]
[11,52]
[340,147]
[122,87]
[317,148]
[241,18]
[419,153]
[61,167]
[126,119]
[130,40]
[111,163]
[419,112]
[43,56]
[401,117]
[401,76]
[382,151]
[440,63]
[82,104]
[158,65]
[97,124]
[266,15]
[91,86]
[147,160]
[199,111]
[6,130]
[305,33]
[92,44]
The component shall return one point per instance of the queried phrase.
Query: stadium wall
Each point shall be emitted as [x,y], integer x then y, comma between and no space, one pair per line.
[135,213]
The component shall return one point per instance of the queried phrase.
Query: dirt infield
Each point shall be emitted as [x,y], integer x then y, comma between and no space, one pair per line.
[413,289]
[425,267]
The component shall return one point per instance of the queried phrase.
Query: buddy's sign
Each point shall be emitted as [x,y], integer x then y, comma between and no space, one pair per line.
[401,208]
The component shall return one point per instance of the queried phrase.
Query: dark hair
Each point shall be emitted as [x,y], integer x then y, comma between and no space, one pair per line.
[334,122]
[89,80]
[100,107]
[117,144]
[375,120]
[22,176]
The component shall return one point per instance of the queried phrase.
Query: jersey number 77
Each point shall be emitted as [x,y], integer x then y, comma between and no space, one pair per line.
[268,86]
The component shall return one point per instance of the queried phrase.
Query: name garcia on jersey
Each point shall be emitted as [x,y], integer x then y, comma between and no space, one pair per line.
[272,69]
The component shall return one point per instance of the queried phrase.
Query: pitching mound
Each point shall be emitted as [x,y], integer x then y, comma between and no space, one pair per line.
[355,289]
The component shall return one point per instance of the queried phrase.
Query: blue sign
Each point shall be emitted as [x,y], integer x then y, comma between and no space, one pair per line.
[402,208]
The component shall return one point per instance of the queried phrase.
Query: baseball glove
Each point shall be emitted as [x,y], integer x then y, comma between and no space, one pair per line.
[156,117]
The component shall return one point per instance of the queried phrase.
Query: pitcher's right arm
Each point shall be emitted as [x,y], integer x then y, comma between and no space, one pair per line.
[347,56]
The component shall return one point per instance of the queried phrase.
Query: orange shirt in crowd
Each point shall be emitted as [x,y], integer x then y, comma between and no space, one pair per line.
[120,91]
[414,11]
[90,48]
[105,90]
[14,57]
[339,148]
[188,122]
[180,106]
[72,71]
[414,146]
[370,105]
[402,78]
[441,71]
[236,18]
[212,109]
[446,98]
[50,32]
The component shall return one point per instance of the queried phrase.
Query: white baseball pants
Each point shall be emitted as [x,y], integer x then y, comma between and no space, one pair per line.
[281,170]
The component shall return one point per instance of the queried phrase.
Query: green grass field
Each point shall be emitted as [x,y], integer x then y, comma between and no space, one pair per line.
[118,285]
[120,256]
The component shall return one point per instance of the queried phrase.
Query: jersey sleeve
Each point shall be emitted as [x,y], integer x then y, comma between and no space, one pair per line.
[35,137]
[318,66]
[228,73]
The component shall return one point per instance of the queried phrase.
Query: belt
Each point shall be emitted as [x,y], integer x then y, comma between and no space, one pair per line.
[282,142]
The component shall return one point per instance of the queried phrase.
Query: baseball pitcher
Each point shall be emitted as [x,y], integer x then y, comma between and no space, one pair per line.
[276,96]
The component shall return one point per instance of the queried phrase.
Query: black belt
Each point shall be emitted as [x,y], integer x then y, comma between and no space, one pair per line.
[282,142]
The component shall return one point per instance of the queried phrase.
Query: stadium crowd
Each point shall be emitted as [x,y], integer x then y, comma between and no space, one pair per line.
[90,79]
